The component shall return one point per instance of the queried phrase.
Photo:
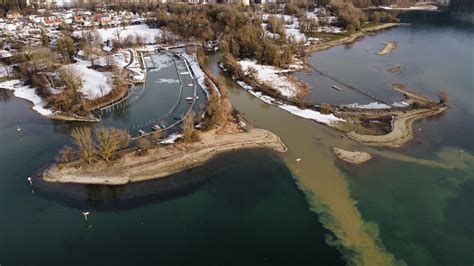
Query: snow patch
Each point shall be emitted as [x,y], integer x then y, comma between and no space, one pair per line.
[171,139]
[170,81]
[328,119]
[271,76]
[147,34]
[373,105]
[27,93]
[96,84]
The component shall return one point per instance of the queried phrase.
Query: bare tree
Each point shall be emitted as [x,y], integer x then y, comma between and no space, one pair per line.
[107,142]
[82,138]
[188,128]
[144,144]
[110,62]
[65,155]
[123,138]
[110,140]
[157,135]
[90,53]
[73,82]
[6,69]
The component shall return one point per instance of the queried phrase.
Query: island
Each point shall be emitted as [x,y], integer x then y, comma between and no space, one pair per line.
[353,157]
[163,160]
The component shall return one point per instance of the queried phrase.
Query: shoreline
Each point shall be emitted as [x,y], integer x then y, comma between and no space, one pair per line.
[352,157]
[162,161]
[351,38]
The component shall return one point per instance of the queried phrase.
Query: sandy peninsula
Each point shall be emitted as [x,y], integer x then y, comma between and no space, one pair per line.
[389,47]
[353,157]
[402,128]
[400,119]
[162,161]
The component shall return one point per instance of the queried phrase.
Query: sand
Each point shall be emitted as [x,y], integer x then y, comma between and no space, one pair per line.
[353,157]
[389,47]
[162,161]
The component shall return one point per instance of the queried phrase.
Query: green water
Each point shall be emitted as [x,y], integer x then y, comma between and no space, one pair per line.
[243,208]
[424,214]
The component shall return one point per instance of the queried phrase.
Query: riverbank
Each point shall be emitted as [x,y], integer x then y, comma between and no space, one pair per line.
[162,161]
[389,47]
[351,38]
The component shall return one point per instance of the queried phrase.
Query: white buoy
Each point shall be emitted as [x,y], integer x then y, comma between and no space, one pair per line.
[85,215]
[30,180]
[298,159]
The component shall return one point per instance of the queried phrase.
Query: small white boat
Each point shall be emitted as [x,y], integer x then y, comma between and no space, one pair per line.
[336,88]
[141,132]
[156,127]
[189,98]
[190,85]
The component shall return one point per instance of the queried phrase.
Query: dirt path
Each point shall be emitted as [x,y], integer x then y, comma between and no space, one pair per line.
[162,161]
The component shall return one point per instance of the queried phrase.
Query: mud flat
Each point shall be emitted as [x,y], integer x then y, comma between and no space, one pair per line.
[353,157]
[162,161]
[402,130]
[394,69]
[389,47]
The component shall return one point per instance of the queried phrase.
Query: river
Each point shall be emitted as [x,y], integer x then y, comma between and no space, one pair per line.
[412,204]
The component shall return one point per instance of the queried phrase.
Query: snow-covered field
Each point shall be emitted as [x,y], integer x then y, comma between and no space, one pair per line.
[198,72]
[136,69]
[27,93]
[5,71]
[328,119]
[271,76]
[147,34]
[292,26]
[96,84]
